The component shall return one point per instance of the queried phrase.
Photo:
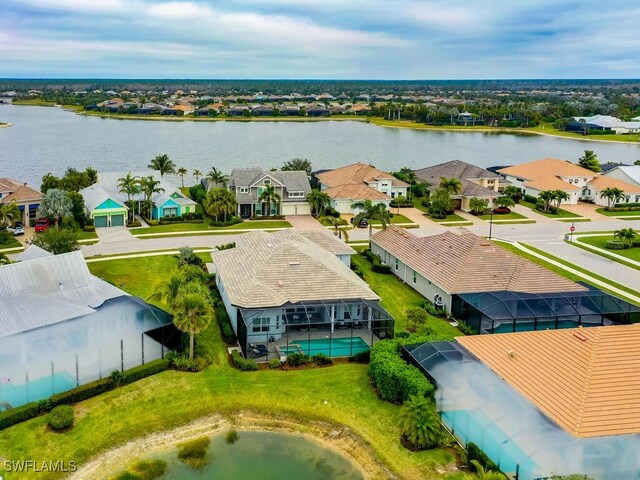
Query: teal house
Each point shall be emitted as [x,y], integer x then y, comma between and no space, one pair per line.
[105,210]
[173,204]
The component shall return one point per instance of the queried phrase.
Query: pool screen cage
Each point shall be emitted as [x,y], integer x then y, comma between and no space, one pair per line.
[506,311]
[346,326]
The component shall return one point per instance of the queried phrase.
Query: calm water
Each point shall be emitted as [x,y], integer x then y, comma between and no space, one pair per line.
[264,456]
[45,139]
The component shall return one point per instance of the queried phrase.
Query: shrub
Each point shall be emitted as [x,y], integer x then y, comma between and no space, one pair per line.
[357,270]
[296,359]
[152,223]
[380,267]
[19,414]
[232,221]
[197,193]
[117,377]
[394,378]
[134,224]
[89,228]
[361,357]
[61,418]
[226,330]
[474,453]
[274,363]
[403,334]
[246,365]
[466,328]
[231,437]
[530,198]
[226,246]
[195,453]
[143,371]
[82,393]
[144,470]
[615,245]
[183,363]
[321,359]
[419,423]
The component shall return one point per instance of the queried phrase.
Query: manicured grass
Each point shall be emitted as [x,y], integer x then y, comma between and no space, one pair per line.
[513,218]
[11,243]
[397,218]
[36,102]
[341,394]
[626,213]
[417,203]
[561,213]
[82,235]
[452,217]
[204,227]
[632,253]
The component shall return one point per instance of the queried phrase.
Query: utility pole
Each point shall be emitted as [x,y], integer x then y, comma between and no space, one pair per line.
[491,217]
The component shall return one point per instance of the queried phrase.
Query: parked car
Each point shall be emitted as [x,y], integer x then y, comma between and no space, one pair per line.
[17,229]
[362,224]
[42,224]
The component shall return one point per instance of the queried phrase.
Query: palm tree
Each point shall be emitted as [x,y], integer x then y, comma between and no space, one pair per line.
[219,201]
[626,235]
[612,194]
[131,186]
[217,177]
[560,195]
[192,313]
[56,204]
[197,173]
[9,213]
[452,184]
[419,423]
[269,196]
[163,165]
[590,161]
[336,223]
[167,292]
[478,205]
[505,201]
[149,186]
[482,474]
[547,196]
[319,201]
[182,172]
[372,211]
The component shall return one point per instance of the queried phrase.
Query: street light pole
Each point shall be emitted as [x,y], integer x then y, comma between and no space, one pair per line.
[491,217]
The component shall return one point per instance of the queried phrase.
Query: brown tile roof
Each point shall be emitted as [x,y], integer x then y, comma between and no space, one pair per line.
[545,167]
[550,182]
[356,192]
[19,192]
[8,184]
[467,263]
[603,181]
[354,173]
[587,380]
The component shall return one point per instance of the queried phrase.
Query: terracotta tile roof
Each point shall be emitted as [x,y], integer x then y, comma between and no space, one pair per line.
[587,380]
[8,184]
[356,191]
[19,192]
[545,167]
[354,173]
[550,182]
[602,181]
[467,263]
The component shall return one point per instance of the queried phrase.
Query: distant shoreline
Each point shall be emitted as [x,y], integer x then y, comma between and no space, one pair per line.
[5,125]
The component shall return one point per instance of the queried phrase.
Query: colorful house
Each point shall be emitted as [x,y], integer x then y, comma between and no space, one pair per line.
[27,198]
[105,210]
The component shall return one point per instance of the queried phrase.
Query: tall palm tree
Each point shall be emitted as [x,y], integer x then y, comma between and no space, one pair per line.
[131,186]
[269,197]
[197,173]
[167,292]
[483,474]
[9,213]
[612,194]
[217,177]
[163,164]
[419,423]
[372,211]
[560,195]
[149,186]
[626,235]
[547,196]
[336,223]
[182,172]
[319,201]
[454,185]
[192,313]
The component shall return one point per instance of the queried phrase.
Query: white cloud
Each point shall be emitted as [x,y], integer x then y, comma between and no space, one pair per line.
[179,10]
[77,5]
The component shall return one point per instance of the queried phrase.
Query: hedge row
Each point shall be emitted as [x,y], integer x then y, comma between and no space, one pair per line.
[394,378]
[226,330]
[228,223]
[33,409]
[377,265]
[242,363]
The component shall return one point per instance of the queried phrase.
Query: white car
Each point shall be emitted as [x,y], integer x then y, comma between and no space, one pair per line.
[17,229]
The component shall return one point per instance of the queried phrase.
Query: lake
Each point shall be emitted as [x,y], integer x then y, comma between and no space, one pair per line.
[46,139]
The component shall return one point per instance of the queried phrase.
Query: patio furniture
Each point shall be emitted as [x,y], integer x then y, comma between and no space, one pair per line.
[258,350]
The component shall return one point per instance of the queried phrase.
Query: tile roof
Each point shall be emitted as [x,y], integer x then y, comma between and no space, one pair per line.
[324,238]
[22,194]
[454,168]
[603,181]
[355,192]
[468,263]
[544,167]
[354,173]
[587,380]
[272,269]
[550,182]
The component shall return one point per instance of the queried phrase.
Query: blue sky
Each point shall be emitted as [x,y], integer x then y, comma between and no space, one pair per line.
[364,39]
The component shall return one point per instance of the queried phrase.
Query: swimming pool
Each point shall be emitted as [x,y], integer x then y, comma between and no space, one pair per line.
[16,394]
[334,347]
[529,326]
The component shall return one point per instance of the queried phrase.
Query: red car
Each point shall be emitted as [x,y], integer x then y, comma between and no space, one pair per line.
[42,224]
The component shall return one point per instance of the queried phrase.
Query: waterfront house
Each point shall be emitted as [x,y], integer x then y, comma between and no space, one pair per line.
[26,197]
[359,182]
[292,291]
[318,111]
[626,173]
[605,123]
[476,182]
[249,183]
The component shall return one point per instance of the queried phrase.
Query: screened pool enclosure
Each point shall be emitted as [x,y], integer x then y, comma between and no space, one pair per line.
[477,406]
[507,311]
[334,328]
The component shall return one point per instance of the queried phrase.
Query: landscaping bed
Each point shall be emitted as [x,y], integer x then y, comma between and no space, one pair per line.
[452,217]
[561,213]
[632,253]
[205,227]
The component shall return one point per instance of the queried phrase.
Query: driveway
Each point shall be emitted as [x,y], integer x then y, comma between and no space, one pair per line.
[114,234]
[587,210]
[304,222]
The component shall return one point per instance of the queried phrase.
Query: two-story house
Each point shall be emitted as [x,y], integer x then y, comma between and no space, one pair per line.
[27,198]
[359,182]
[248,184]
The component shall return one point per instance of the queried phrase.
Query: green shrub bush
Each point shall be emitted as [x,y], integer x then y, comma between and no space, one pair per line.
[361,357]
[380,267]
[296,359]
[274,363]
[61,418]
[152,223]
[474,453]
[19,414]
[182,362]
[82,393]
[530,198]
[143,470]
[89,228]
[134,224]
[146,370]
[246,365]
[228,223]
[231,437]
[226,330]
[321,359]
[615,245]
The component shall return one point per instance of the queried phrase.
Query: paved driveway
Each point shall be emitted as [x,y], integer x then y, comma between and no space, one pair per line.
[304,222]
[587,210]
[114,234]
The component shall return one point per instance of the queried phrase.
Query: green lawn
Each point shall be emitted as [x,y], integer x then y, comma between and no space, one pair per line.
[513,217]
[452,217]
[204,227]
[82,235]
[601,242]
[397,218]
[626,213]
[11,243]
[417,203]
[340,395]
[561,212]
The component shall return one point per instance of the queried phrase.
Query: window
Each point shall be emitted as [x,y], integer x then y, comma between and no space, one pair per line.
[244,189]
[490,182]
[260,324]
[393,194]
[296,194]
[396,264]
[170,212]
[415,277]
[571,180]
[267,181]
[385,184]
[584,179]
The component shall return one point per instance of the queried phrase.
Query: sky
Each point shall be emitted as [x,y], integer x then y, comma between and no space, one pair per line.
[320,39]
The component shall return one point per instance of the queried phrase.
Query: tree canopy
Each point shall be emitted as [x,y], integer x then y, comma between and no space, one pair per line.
[297,164]
[590,161]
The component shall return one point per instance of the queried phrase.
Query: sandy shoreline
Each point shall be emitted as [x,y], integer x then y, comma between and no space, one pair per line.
[338,438]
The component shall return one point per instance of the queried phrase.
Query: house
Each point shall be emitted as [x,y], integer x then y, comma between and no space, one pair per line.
[238,110]
[555,174]
[476,182]
[555,402]
[359,182]
[106,204]
[318,111]
[290,292]
[178,110]
[249,183]
[626,173]
[360,109]
[290,110]
[61,327]
[490,288]
[603,123]
[27,198]
[262,110]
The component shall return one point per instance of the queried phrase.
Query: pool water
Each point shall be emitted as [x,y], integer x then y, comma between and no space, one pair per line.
[263,456]
[528,326]
[334,347]
[16,394]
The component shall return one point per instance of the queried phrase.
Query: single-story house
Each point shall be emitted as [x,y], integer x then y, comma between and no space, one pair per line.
[290,292]
[602,122]
[555,174]
[249,183]
[103,209]
[62,327]
[27,198]
[544,403]
[476,182]
[358,182]
[318,111]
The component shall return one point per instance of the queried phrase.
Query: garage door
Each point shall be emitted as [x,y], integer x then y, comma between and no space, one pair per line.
[117,220]
[100,221]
